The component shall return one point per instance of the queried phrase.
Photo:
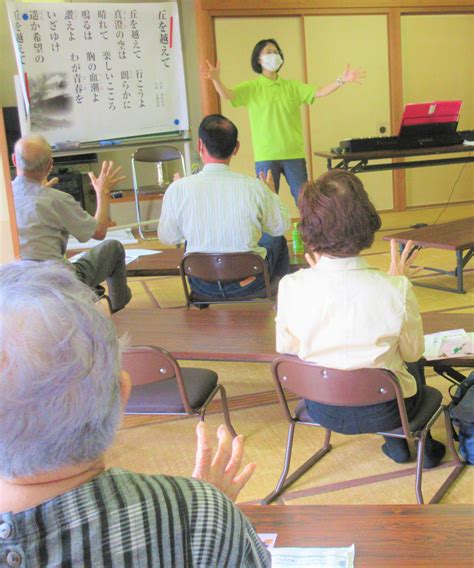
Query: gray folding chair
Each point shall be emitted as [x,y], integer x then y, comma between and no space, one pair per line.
[153,155]
[161,386]
[360,387]
[225,267]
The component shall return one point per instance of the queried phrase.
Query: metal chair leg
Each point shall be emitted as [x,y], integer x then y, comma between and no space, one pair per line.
[458,463]
[283,482]
[225,409]
[419,467]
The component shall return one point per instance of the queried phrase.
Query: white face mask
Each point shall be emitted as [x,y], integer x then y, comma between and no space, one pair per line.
[271,61]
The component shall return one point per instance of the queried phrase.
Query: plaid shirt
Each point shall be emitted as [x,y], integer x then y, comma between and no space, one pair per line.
[124,519]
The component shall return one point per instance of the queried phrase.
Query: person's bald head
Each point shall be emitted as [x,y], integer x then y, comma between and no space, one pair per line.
[33,156]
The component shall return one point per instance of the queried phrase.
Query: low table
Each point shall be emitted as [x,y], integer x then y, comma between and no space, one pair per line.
[384,535]
[457,236]
[239,332]
[166,263]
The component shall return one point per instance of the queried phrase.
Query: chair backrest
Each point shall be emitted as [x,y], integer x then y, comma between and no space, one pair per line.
[149,364]
[359,387]
[222,266]
[160,153]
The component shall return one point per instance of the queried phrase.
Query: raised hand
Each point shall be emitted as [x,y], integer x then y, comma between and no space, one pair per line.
[108,178]
[400,264]
[50,183]
[211,72]
[222,470]
[353,75]
[312,258]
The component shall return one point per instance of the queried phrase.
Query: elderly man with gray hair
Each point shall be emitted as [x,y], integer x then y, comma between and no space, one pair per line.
[61,399]
[45,218]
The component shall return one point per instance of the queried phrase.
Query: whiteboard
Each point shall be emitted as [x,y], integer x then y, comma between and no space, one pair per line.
[99,71]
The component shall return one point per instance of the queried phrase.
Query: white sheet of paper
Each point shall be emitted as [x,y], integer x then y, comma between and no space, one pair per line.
[125,236]
[313,557]
[132,254]
[448,344]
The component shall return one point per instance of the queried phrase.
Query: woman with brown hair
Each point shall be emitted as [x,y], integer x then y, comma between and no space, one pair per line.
[345,314]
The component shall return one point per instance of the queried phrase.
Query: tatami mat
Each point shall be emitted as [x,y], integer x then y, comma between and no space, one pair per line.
[167,444]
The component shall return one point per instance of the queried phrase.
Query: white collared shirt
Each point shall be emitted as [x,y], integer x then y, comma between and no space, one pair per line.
[218,210]
[344,314]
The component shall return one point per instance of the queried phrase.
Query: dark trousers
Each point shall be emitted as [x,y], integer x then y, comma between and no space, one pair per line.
[278,262]
[369,419]
[106,262]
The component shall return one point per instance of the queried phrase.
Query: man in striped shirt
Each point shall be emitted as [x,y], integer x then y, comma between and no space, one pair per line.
[61,399]
[222,211]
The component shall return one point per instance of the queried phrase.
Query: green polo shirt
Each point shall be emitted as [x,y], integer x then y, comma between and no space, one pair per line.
[275,116]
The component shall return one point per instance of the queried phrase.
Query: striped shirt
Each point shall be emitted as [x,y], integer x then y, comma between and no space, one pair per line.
[218,210]
[123,519]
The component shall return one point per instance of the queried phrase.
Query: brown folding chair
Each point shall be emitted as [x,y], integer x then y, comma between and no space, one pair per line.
[225,267]
[161,386]
[360,387]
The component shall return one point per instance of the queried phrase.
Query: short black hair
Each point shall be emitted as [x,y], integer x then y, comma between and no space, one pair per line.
[219,135]
[256,53]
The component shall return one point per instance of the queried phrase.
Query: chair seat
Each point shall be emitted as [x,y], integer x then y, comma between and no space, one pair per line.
[164,396]
[431,401]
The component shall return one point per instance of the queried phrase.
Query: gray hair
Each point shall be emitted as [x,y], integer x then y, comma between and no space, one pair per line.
[60,399]
[32,153]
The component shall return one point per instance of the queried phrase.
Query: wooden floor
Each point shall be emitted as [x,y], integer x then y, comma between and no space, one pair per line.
[166,445]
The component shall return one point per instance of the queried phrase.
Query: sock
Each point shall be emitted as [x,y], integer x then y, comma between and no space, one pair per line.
[398,452]
[434,452]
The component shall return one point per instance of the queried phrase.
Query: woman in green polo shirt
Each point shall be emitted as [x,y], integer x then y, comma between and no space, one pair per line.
[274,111]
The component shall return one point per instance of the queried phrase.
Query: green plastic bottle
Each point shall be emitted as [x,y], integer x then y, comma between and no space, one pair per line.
[298,247]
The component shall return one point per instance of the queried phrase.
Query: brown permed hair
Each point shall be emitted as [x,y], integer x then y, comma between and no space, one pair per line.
[337,217]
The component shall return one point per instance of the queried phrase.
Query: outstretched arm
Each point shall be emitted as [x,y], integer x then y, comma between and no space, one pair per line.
[107,180]
[213,73]
[349,76]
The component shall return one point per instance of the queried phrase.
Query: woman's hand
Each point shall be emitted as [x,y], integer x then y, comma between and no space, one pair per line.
[400,264]
[353,75]
[211,72]
[222,470]
[312,258]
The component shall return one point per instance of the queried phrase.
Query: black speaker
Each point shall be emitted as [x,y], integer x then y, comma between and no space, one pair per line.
[12,128]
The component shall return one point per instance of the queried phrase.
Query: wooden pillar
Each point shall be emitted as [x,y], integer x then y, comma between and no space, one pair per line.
[396,100]
[9,234]
[206,52]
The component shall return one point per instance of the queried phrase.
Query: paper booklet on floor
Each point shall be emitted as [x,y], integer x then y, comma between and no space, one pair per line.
[452,343]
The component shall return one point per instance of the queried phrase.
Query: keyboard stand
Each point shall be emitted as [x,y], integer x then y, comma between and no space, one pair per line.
[362,159]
